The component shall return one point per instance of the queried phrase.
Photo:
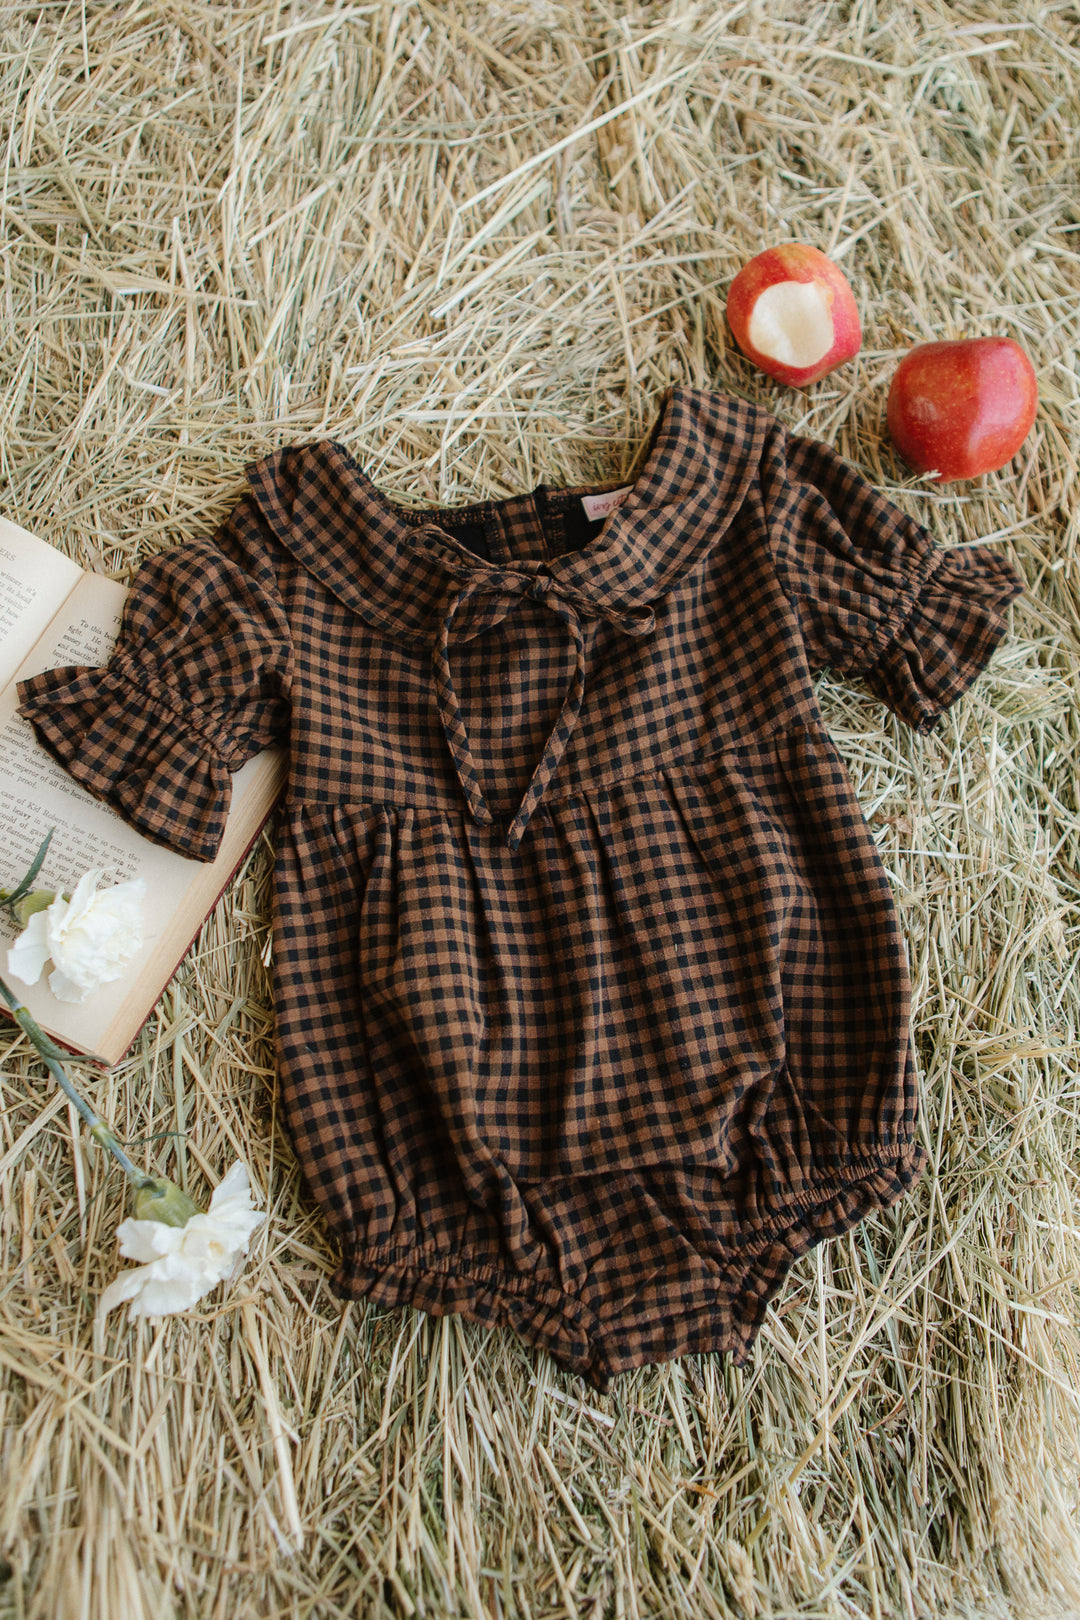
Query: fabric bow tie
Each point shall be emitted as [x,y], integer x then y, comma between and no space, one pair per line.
[568,605]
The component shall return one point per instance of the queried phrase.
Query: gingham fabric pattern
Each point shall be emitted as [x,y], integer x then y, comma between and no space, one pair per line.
[592,1009]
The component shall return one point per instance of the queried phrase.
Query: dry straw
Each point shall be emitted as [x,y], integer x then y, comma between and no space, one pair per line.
[474,241]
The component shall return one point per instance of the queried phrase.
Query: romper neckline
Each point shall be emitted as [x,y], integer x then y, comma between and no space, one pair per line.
[405,573]
[397,568]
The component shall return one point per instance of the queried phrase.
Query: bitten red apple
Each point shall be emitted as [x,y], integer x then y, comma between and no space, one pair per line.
[957,409]
[793,313]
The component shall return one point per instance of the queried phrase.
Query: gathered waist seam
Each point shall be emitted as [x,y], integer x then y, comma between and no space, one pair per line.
[688,765]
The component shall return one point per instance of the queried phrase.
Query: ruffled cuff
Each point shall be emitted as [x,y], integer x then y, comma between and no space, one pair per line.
[135,753]
[946,638]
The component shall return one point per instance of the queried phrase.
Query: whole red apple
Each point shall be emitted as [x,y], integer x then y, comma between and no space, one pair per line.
[793,313]
[961,408]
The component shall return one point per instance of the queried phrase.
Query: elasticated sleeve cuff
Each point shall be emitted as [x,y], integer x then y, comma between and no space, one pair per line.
[135,753]
[946,636]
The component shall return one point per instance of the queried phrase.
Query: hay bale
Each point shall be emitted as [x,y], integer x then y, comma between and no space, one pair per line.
[474,242]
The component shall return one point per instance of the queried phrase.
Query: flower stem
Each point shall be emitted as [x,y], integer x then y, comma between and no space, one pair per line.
[51,1055]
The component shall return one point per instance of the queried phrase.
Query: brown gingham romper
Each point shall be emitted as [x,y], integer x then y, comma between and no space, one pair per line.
[592,1005]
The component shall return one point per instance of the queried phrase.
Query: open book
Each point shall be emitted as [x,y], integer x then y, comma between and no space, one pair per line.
[53,613]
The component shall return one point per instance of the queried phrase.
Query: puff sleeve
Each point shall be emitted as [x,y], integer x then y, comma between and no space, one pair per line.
[197,684]
[874,595]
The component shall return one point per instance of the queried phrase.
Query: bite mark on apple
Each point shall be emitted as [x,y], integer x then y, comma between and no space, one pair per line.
[792,322]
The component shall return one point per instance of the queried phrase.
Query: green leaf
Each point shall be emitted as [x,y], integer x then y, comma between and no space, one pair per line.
[28,881]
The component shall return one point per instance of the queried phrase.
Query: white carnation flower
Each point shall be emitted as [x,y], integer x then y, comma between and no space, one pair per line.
[90,938]
[182,1263]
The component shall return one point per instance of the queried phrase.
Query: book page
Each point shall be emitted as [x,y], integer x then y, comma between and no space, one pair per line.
[36,794]
[35,579]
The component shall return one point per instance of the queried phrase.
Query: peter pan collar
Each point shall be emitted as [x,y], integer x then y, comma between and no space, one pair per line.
[397,568]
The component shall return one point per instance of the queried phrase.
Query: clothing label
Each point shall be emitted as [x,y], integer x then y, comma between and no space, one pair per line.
[598,506]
